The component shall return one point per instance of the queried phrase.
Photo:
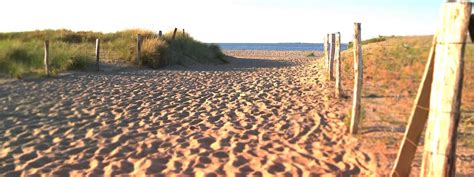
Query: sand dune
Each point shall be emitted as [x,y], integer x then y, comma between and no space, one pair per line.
[269,114]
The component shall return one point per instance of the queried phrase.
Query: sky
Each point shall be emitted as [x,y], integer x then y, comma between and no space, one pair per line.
[214,21]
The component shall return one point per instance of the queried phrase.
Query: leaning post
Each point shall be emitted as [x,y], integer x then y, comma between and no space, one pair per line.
[417,120]
[439,155]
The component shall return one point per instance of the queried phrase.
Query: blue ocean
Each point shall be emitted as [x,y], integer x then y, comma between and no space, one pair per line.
[276,46]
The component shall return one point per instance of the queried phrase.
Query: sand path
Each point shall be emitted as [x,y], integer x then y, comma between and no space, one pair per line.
[269,115]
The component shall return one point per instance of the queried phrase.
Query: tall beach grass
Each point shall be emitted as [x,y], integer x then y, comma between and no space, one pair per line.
[21,53]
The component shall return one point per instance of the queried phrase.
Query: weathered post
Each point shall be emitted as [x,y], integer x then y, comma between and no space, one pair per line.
[139,49]
[174,33]
[331,56]
[417,120]
[471,27]
[97,53]
[160,33]
[326,50]
[439,155]
[337,58]
[358,76]
[184,33]
[46,58]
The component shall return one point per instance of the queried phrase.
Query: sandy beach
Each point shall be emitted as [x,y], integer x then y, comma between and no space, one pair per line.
[265,113]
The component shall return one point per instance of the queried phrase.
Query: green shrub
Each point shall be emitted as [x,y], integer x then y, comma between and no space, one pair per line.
[80,62]
[16,58]
[13,69]
[369,41]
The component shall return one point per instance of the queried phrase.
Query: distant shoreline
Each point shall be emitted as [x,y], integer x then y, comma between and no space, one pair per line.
[275,46]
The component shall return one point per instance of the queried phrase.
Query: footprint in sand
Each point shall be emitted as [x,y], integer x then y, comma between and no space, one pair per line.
[258,116]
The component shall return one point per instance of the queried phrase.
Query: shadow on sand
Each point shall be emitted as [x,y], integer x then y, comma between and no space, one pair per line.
[235,64]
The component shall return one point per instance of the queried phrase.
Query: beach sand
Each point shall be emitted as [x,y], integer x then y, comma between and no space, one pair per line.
[265,113]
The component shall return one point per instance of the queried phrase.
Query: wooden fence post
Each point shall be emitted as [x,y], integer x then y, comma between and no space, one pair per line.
[46,58]
[337,58]
[184,33]
[331,56]
[471,27]
[358,77]
[439,155]
[97,53]
[174,33]
[139,49]
[326,50]
[160,33]
[417,120]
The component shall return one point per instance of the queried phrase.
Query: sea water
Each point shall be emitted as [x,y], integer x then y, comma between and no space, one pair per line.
[276,46]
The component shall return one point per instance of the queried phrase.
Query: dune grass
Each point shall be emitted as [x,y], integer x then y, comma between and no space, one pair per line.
[393,70]
[185,50]
[21,53]
[311,55]
[20,58]
[392,58]
[369,41]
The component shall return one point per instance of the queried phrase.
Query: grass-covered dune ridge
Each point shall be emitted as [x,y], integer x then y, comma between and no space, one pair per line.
[21,53]
[393,69]
[183,50]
